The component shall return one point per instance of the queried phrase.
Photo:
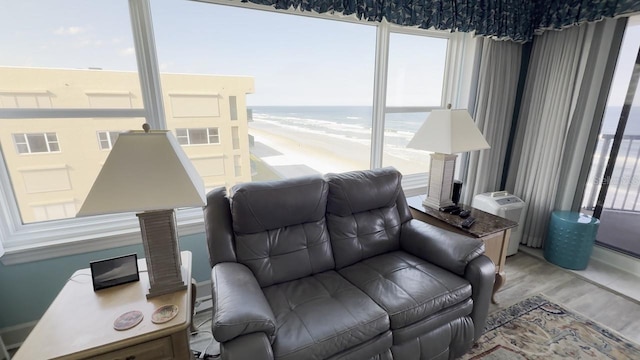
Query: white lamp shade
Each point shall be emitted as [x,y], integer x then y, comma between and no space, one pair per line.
[144,171]
[448,132]
[1,248]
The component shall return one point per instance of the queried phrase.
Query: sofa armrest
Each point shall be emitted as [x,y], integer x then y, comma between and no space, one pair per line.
[481,274]
[239,305]
[254,346]
[439,246]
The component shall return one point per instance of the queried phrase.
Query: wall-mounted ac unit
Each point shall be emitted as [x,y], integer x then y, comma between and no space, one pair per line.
[507,206]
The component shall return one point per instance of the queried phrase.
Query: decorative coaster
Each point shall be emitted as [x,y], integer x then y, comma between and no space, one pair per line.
[128,320]
[164,314]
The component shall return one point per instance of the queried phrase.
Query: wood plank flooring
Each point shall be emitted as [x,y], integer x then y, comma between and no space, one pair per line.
[528,276]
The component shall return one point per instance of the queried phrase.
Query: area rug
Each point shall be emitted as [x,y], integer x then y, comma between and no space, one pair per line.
[537,328]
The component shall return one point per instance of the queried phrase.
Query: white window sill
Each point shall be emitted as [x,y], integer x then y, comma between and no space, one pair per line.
[49,240]
[73,236]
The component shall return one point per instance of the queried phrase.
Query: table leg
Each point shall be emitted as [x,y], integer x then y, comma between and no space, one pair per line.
[5,353]
[501,278]
[192,328]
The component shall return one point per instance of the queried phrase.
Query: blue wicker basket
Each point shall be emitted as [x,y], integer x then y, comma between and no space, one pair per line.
[569,243]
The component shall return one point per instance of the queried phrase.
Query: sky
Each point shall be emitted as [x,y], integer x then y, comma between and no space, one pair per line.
[295,60]
[624,67]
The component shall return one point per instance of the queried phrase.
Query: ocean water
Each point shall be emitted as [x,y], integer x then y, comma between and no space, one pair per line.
[356,120]
[351,122]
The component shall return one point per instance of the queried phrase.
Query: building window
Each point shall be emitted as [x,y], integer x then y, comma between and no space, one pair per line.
[61,210]
[194,106]
[233,108]
[20,100]
[237,165]
[198,136]
[36,143]
[235,138]
[106,139]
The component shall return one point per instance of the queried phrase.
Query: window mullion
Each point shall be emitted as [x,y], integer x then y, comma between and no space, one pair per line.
[26,141]
[379,94]
[146,56]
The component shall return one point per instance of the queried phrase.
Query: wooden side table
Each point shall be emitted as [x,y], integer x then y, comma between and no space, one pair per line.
[493,230]
[79,322]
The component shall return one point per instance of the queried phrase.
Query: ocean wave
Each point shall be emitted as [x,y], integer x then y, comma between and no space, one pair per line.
[349,121]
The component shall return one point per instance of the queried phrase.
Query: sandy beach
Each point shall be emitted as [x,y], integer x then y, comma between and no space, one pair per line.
[295,151]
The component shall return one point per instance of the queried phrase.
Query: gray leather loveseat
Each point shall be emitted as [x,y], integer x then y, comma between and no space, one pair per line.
[335,267]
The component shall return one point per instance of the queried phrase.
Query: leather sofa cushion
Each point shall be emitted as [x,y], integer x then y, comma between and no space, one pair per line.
[362,214]
[321,315]
[280,228]
[363,235]
[358,191]
[285,254]
[267,205]
[407,287]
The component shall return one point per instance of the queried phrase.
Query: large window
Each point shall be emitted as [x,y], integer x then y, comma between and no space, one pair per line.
[414,87]
[69,85]
[307,81]
[279,95]
[612,192]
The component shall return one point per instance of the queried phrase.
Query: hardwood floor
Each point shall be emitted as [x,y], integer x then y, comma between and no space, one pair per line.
[528,276]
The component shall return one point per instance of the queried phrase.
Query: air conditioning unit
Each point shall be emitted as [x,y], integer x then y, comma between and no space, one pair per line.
[507,206]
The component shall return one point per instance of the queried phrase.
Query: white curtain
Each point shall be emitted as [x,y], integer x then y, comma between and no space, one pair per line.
[493,113]
[564,76]
[1,247]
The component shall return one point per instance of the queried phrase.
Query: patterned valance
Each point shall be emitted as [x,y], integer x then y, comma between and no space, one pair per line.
[554,14]
[517,20]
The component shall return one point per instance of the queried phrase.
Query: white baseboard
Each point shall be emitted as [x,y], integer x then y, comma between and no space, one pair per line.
[14,336]
[615,259]
[203,290]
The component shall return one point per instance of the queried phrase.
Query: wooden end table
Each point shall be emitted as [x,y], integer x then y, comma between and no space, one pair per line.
[493,230]
[79,322]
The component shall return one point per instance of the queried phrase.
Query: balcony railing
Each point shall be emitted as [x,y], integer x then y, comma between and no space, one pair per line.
[624,184]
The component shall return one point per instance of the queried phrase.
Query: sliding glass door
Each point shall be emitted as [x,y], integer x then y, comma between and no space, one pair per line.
[613,190]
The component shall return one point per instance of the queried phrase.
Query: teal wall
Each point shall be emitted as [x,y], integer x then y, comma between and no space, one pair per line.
[27,290]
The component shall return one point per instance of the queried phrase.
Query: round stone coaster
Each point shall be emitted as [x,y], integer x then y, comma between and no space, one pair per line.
[128,320]
[164,314]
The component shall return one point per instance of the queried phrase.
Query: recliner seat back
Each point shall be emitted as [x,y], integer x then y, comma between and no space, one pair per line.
[280,228]
[365,213]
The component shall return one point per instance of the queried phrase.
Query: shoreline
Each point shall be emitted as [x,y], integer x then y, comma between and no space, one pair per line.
[293,152]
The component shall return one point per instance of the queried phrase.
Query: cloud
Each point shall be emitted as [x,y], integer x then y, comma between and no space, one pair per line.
[71,30]
[128,51]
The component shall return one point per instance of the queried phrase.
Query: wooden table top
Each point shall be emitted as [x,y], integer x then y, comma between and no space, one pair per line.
[79,322]
[486,224]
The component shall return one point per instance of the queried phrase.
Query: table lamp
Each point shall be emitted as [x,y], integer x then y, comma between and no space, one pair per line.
[148,172]
[445,132]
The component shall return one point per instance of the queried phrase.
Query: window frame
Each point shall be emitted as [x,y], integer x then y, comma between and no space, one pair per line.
[47,142]
[44,240]
[209,135]
[109,138]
